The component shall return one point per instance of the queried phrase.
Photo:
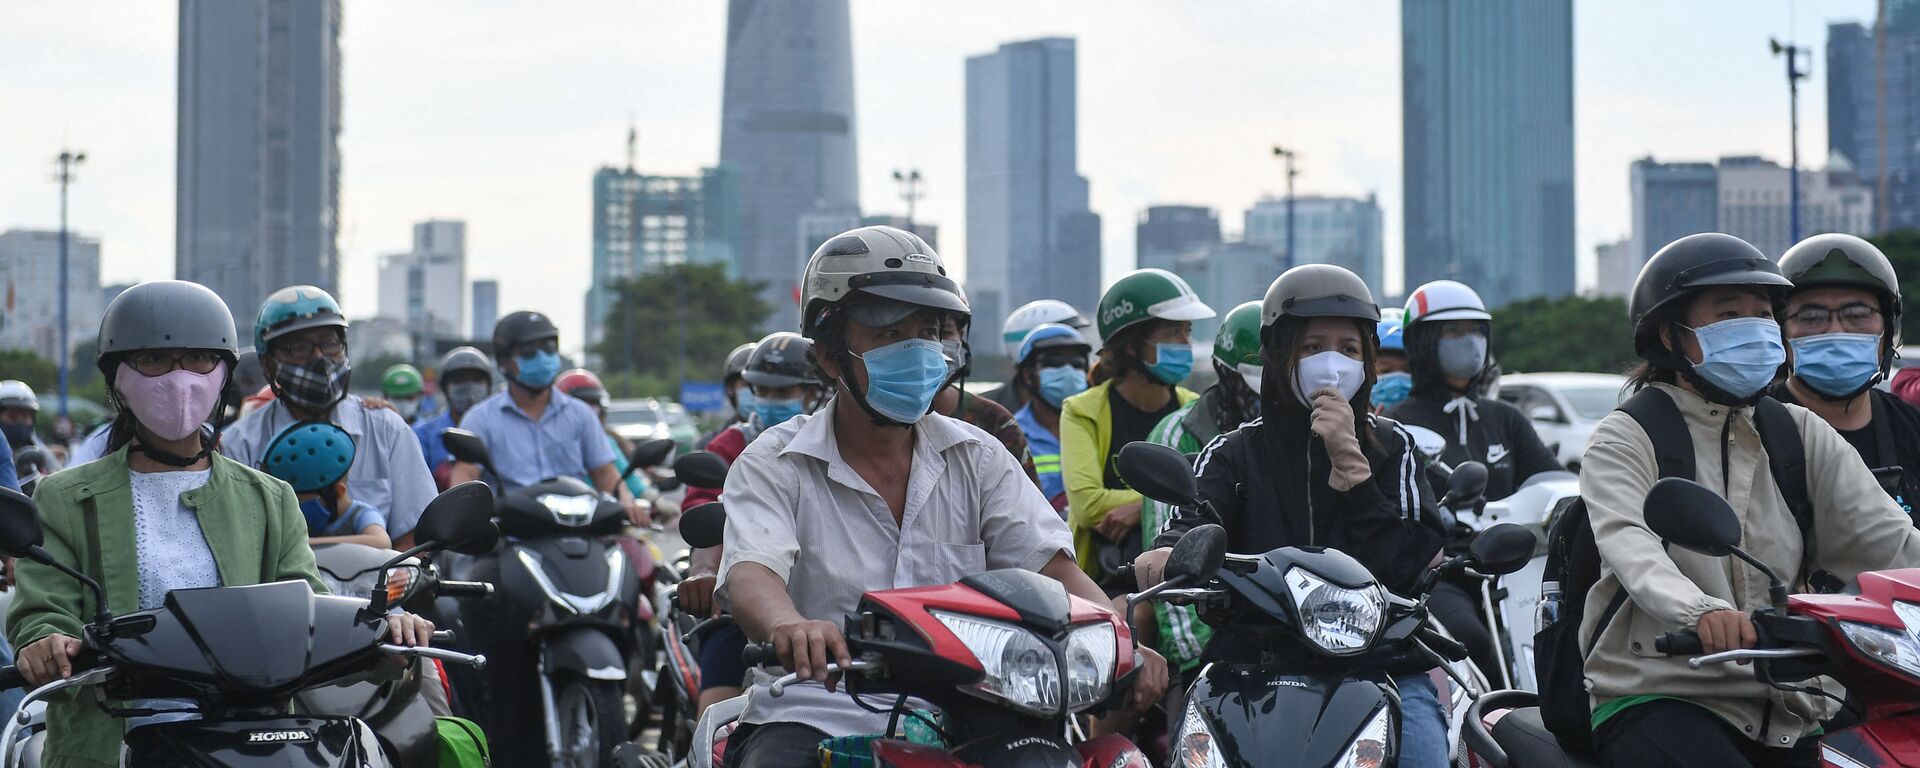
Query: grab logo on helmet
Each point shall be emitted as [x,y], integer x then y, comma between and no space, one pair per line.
[1117,311]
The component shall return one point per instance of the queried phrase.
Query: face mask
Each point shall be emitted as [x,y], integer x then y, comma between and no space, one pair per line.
[1740,355]
[776,412]
[1252,374]
[316,512]
[1462,357]
[407,407]
[465,395]
[174,405]
[956,353]
[537,371]
[744,401]
[903,377]
[18,434]
[1061,382]
[1173,363]
[1836,364]
[1327,369]
[313,387]
[1391,388]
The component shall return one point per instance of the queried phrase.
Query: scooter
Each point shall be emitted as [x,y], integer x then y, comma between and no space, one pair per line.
[1323,696]
[682,633]
[241,654]
[1867,641]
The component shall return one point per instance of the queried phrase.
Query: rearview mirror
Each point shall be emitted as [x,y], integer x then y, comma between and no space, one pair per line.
[1158,472]
[705,525]
[465,446]
[1691,515]
[460,519]
[1503,549]
[1198,554]
[1468,482]
[1428,442]
[701,469]
[651,453]
[19,523]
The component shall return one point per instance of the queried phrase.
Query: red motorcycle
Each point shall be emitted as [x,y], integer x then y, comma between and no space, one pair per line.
[1869,641]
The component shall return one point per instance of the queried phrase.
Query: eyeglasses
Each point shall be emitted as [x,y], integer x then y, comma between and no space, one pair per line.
[531,348]
[293,351]
[1853,317]
[155,363]
[1055,361]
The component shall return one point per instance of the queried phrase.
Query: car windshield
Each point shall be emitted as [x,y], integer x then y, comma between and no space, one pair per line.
[621,417]
[677,416]
[1592,403]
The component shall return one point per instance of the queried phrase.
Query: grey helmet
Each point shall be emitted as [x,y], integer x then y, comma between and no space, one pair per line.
[1835,259]
[464,359]
[1318,290]
[880,261]
[737,361]
[165,314]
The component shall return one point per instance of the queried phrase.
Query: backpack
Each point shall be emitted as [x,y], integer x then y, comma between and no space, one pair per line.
[462,743]
[1573,560]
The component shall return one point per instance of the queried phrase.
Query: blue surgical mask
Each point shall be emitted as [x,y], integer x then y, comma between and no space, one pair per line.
[1837,364]
[317,514]
[744,401]
[777,412]
[1740,356]
[538,370]
[903,377]
[1391,388]
[1173,362]
[1061,382]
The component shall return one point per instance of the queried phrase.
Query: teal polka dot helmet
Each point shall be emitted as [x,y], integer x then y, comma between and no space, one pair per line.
[310,456]
[296,308]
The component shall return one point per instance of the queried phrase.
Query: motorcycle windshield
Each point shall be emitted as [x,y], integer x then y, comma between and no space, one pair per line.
[263,639]
[560,506]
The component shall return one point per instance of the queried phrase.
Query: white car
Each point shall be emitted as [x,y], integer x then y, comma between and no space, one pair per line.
[637,420]
[1564,407]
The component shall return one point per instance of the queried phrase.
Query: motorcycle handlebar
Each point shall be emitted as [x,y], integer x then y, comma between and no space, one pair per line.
[466,589]
[11,677]
[1678,644]
[759,655]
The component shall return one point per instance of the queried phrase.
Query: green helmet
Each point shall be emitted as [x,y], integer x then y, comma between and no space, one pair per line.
[401,380]
[1239,339]
[1147,294]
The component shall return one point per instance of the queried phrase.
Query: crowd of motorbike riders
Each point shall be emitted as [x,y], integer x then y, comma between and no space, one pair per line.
[859,462]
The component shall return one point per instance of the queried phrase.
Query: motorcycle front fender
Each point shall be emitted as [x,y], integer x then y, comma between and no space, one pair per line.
[323,742]
[584,651]
[1107,751]
[1262,717]
[1892,741]
[1017,752]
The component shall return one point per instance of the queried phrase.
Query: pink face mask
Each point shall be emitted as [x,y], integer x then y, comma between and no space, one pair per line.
[171,406]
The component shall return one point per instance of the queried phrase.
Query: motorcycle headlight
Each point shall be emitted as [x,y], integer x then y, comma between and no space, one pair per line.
[1900,650]
[1341,621]
[1193,746]
[573,511]
[1369,748]
[1021,670]
[1091,652]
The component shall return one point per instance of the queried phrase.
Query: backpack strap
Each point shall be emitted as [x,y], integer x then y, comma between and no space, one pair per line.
[1666,428]
[1787,458]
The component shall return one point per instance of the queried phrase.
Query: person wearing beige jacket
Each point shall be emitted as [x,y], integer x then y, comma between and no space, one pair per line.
[1703,312]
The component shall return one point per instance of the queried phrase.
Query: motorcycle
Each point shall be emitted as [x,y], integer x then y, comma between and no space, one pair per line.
[1868,641]
[573,623]
[1323,695]
[682,632]
[241,654]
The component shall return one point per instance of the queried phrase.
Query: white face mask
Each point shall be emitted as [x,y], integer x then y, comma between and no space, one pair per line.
[1327,369]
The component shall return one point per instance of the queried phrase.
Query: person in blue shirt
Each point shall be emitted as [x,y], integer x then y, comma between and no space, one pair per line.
[532,432]
[10,698]
[466,378]
[1052,367]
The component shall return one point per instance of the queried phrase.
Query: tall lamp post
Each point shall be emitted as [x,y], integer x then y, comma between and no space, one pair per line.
[1794,75]
[909,182]
[67,160]
[1289,155]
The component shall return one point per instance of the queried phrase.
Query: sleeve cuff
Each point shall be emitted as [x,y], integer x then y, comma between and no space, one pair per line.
[1690,618]
[781,569]
[1040,558]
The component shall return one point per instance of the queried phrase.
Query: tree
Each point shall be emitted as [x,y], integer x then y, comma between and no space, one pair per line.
[1573,333]
[643,329]
[39,373]
[1902,247]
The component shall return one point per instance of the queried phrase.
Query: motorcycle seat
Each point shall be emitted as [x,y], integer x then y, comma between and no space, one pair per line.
[1529,744]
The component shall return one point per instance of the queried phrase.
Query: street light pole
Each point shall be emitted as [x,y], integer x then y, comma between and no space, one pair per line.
[1288,155]
[67,160]
[909,182]
[1794,76]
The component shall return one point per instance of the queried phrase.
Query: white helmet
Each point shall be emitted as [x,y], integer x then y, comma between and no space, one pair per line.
[15,393]
[1443,300]
[1034,314]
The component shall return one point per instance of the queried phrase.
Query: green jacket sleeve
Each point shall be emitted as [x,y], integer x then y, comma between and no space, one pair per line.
[46,601]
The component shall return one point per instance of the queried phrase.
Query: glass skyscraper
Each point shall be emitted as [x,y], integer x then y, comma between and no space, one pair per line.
[1854,116]
[642,223]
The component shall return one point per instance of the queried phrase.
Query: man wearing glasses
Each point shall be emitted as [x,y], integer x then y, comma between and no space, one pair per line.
[302,337]
[1842,324]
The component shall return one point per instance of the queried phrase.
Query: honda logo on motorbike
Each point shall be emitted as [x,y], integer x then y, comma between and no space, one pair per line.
[278,737]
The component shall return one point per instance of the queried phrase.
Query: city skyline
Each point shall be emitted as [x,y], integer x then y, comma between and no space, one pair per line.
[474,134]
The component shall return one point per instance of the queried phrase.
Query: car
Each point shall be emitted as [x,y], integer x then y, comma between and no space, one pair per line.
[680,424]
[1564,407]
[637,420]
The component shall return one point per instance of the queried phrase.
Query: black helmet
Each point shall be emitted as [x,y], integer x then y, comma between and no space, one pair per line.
[165,314]
[1835,259]
[521,327]
[781,360]
[1318,290]
[464,359]
[1700,261]
[737,361]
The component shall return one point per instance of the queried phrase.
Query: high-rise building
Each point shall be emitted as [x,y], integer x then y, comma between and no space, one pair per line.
[1856,118]
[1030,234]
[787,132]
[1616,266]
[258,161]
[486,308]
[1166,231]
[1487,111]
[1754,195]
[642,223]
[427,287]
[30,277]
[926,231]
[1225,275]
[1343,231]
[1671,201]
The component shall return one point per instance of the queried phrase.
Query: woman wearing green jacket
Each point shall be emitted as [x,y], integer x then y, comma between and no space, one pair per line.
[159,512]
[1146,332]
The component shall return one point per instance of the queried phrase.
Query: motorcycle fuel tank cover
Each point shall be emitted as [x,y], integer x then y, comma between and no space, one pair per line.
[1040,601]
[1275,719]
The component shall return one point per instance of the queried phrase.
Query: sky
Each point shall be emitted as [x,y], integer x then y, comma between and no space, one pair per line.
[498,113]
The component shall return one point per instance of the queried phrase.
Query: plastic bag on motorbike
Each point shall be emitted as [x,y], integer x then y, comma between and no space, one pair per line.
[462,744]
[857,751]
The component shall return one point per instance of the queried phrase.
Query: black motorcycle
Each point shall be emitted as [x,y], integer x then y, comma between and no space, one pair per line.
[242,654]
[1323,695]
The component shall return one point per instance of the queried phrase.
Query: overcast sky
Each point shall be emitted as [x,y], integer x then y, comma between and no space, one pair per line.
[499,112]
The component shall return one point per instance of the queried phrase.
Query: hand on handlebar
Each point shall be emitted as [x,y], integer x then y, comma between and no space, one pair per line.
[48,659]
[1152,680]
[409,629]
[1725,631]
[696,595]
[807,647]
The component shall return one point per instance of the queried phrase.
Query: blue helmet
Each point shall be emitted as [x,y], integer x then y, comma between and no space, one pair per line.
[1392,336]
[296,308]
[310,455]
[1050,335]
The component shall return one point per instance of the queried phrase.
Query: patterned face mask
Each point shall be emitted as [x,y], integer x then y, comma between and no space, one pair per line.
[315,386]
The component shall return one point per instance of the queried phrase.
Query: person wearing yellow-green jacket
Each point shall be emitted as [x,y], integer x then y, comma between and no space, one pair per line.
[1146,329]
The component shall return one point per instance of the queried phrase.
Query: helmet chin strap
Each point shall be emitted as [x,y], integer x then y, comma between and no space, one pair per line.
[170,458]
